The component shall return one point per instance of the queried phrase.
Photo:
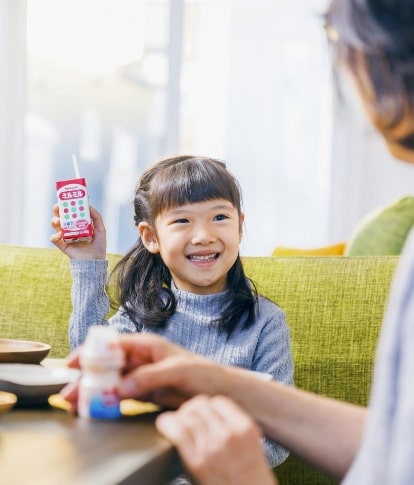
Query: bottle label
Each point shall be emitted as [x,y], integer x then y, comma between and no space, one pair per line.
[101,405]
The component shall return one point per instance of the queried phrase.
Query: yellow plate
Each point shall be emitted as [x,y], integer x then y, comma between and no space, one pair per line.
[129,407]
[132,407]
[7,401]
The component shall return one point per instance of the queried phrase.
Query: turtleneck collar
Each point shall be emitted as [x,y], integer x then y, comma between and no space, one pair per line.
[211,305]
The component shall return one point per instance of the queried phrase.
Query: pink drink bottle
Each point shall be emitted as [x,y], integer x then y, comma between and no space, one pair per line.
[101,361]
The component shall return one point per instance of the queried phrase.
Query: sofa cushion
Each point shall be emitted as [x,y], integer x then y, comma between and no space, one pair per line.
[331,250]
[384,231]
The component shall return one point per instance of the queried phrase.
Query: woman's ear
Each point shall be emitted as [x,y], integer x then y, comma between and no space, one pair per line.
[148,237]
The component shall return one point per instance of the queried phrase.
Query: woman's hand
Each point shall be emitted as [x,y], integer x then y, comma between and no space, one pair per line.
[159,371]
[219,444]
[155,370]
[95,249]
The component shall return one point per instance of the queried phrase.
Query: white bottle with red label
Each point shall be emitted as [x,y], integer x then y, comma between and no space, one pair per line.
[74,213]
[101,361]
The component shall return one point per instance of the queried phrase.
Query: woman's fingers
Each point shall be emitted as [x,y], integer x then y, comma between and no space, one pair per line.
[218,443]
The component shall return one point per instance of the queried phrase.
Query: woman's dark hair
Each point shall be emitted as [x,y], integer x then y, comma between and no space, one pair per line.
[375,40]
[143,281]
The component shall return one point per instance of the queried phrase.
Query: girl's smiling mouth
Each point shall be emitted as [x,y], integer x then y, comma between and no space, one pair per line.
[203,258]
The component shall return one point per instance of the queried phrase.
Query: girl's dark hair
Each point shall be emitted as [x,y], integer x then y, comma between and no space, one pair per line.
[142,279]
[375,40]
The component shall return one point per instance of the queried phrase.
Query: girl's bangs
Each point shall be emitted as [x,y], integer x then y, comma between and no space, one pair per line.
[193,184]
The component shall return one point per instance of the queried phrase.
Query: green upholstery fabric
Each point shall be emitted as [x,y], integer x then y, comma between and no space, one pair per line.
[35,286]
[334,309]
[384,231]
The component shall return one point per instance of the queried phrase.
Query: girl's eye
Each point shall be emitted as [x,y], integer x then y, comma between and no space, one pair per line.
[220,217]
[180,221]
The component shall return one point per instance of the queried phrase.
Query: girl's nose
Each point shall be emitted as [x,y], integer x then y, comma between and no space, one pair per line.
[202,235]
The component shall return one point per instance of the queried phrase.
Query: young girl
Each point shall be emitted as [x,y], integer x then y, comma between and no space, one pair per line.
[183,279]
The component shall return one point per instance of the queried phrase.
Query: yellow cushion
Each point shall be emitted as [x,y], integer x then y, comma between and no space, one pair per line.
[332,250]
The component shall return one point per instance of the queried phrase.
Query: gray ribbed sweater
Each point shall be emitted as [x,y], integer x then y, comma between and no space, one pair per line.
[264,347]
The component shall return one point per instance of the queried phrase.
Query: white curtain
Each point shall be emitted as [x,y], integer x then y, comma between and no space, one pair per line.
[279,129]
[12,106]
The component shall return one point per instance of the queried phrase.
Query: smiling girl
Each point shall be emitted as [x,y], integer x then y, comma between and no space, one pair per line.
[183,279]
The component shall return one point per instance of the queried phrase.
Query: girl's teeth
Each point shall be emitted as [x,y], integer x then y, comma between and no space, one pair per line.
[203,258]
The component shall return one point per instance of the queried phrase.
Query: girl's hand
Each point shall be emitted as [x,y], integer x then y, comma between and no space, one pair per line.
[95,249]
[219,443]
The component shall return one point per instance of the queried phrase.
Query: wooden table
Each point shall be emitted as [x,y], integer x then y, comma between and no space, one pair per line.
[51,447]
[48,446]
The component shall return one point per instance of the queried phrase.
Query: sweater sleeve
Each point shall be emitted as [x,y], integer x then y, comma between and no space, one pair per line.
[273,356]
[90,303]
[273,353]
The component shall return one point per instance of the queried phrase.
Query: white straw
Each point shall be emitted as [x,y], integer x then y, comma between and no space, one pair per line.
[75,166]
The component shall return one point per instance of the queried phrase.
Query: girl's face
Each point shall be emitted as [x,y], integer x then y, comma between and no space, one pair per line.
[198,242]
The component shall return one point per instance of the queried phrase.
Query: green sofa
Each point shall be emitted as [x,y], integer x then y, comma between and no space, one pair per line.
[334,307]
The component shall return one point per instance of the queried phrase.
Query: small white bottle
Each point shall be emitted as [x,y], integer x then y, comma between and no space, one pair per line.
[101,361]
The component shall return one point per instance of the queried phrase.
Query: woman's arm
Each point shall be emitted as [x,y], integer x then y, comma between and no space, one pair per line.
[325,432]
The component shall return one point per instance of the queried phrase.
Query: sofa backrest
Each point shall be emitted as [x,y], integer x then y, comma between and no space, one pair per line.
[334,308]
[35,303]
